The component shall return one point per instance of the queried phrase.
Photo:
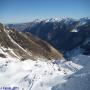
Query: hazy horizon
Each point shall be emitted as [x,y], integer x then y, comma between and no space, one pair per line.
[20,11]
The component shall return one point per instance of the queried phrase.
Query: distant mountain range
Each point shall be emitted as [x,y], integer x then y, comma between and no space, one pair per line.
[66,34]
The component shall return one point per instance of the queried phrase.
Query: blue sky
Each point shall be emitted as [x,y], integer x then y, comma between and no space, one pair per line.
[16,11]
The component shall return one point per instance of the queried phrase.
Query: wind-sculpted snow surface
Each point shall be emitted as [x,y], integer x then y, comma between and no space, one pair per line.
[80,80]
[44,74]
[32,75]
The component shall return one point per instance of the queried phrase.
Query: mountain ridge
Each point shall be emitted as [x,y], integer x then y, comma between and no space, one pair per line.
[26,46]
[64,35]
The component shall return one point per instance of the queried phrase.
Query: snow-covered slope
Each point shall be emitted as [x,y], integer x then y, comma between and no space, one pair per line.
[79,80]
[44,74]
